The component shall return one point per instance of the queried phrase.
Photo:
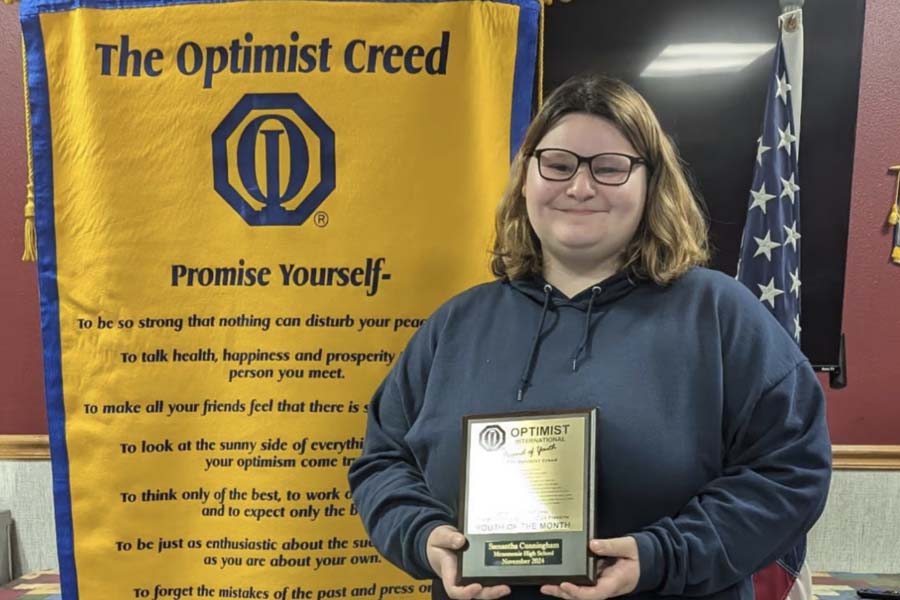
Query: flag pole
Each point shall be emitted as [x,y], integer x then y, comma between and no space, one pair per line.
[773,223]
[802,586]
[793,42]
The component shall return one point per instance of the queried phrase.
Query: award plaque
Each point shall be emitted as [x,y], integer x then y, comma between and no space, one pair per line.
[527,498]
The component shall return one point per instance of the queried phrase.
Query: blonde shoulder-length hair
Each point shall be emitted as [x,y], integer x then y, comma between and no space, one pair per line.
[672,235]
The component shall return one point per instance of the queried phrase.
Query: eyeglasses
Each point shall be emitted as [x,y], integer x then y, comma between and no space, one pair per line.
[608,168]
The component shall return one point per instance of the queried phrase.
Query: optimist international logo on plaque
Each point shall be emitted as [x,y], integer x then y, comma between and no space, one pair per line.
[492,438]
[273,159]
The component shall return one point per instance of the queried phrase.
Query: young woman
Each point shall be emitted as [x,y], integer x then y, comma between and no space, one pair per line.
[713,453]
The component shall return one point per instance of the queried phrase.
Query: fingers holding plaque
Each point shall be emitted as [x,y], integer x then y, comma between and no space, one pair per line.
[527,498]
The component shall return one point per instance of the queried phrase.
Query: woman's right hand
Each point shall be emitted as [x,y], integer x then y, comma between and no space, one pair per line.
[442,545]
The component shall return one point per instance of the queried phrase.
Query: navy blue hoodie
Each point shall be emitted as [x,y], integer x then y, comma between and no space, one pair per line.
[713,451]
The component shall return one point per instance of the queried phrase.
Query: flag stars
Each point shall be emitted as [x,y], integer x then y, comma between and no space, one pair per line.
[792,235]
[774,278]
[789,188]
[786,138]
[760,197]
[760,150]
[782,87]
[795,282]
[768,292]
[765,246]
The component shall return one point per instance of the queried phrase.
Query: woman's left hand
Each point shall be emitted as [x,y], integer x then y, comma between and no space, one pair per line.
[617,575]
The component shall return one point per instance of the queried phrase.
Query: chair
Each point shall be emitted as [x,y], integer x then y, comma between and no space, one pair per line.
[5,547]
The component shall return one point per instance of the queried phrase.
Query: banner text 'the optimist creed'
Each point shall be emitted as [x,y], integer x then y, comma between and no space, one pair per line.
[242,55]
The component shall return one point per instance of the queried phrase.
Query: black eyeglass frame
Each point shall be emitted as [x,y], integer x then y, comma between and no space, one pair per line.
[634,160]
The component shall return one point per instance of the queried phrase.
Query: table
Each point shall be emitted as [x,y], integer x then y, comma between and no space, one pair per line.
[843,586]
[44,585]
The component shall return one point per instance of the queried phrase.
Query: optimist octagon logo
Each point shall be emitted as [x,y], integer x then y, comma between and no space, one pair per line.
[492,438]
[273,159]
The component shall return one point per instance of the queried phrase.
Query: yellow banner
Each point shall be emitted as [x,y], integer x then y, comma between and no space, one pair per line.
[244,210]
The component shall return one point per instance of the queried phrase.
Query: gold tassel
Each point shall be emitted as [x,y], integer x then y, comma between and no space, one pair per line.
[9,1]
[894,216]
[30,253]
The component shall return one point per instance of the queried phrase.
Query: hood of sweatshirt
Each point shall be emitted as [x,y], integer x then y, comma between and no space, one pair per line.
[591,301]
[609,290]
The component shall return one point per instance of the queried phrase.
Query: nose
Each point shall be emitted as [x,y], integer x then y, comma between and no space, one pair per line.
[582,185]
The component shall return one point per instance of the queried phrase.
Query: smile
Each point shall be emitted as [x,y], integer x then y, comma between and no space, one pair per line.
[580,211]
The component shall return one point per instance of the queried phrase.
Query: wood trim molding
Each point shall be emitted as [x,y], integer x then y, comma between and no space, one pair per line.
[24,447]
[37,447]
[884,458]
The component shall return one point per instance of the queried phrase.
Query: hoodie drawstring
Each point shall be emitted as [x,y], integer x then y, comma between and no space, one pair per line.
[595,291]
[529,365]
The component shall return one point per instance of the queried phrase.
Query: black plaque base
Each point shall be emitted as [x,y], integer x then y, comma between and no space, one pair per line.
[528,559]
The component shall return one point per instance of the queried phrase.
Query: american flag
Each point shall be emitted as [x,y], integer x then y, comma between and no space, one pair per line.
[770,248]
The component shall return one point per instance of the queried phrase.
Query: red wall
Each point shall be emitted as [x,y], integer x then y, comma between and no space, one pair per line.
[868,409]
[866,412]
[21,379]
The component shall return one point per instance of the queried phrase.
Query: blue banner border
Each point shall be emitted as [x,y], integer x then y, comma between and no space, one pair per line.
[44,221]
[42,154]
